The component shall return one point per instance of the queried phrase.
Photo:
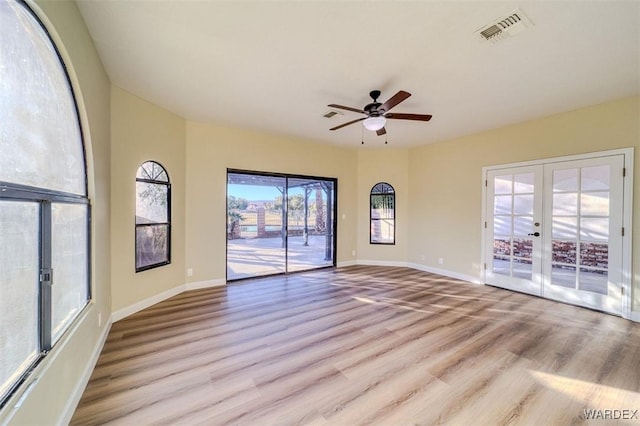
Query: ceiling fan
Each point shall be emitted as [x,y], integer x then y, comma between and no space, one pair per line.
[377,113]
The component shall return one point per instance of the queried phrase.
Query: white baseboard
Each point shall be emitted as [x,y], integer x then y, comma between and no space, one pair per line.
[382,263]
[74,398]
[204,284]
[446,273]
[144,304]
[419,267]
[635,316]
[346,263]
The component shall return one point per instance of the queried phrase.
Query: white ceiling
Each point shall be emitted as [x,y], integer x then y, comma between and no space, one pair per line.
[275,65]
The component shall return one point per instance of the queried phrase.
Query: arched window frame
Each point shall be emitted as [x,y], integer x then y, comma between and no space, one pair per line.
[62,234]
[382,214]
[152,179]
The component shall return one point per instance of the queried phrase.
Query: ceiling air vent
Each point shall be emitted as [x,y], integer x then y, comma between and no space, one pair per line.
[505,27]
[330,113]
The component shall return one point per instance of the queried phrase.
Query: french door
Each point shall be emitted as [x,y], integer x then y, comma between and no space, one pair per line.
[556,230]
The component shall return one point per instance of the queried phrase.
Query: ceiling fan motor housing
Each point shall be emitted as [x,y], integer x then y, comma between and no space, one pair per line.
[372,108]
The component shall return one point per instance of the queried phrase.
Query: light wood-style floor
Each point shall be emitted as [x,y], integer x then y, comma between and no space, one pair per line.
[362,345]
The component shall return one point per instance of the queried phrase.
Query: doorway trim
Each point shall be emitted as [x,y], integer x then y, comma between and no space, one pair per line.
[627,210]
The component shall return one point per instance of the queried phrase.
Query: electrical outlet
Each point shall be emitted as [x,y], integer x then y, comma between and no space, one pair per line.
[353,252]
[190,272]
[422,257]
[440,261]
[99,319]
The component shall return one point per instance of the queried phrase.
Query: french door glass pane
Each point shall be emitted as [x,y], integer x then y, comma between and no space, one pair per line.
[503,184]
[19,289]
[565,227]
[501,265]
[523,204]
[594,228]
[562,275]
[564,252]
[565,203]
[593,280]
[523,247]
[502,204]
[594,203]
[594,254]
[502,246]
[69,260]
[595,178]
[523,268]
[565,180]
[522,225]
[523,183]
[502,225]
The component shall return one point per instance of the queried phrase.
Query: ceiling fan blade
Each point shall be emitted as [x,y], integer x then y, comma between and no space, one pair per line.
[346,124]
[346,107]
[402,116]
[393,101]
[381,132]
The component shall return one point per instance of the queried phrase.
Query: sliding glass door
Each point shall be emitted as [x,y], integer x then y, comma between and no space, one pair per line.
[278,223]
[310,223]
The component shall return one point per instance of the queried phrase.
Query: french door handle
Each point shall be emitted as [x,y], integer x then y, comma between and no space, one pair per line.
[535,234]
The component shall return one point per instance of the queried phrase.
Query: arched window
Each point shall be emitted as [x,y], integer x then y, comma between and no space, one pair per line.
[383,214]
[44,209]
[153,216]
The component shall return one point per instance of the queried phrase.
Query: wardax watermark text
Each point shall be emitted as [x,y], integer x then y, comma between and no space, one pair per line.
[595,414]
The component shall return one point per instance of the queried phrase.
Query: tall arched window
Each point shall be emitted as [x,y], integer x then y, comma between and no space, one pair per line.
[383,214]
[44,209]
[153,216]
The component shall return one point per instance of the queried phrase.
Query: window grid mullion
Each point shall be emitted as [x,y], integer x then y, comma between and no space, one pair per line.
[45,281]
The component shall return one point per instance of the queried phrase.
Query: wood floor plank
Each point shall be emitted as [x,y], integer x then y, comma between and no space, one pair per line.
[362,345]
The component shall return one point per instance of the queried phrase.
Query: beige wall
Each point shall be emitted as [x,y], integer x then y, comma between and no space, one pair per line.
[446,178]
[212,149]
[57,378]
[141,131]
[391,166]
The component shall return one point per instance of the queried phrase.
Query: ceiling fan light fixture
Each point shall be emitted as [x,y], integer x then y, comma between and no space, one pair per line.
[374,123]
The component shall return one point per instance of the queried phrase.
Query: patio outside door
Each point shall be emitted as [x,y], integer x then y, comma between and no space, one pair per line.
[310,223]
[514,216]
[555,230]
[278,223]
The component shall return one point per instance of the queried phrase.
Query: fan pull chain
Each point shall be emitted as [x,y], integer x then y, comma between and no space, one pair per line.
[362,128]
